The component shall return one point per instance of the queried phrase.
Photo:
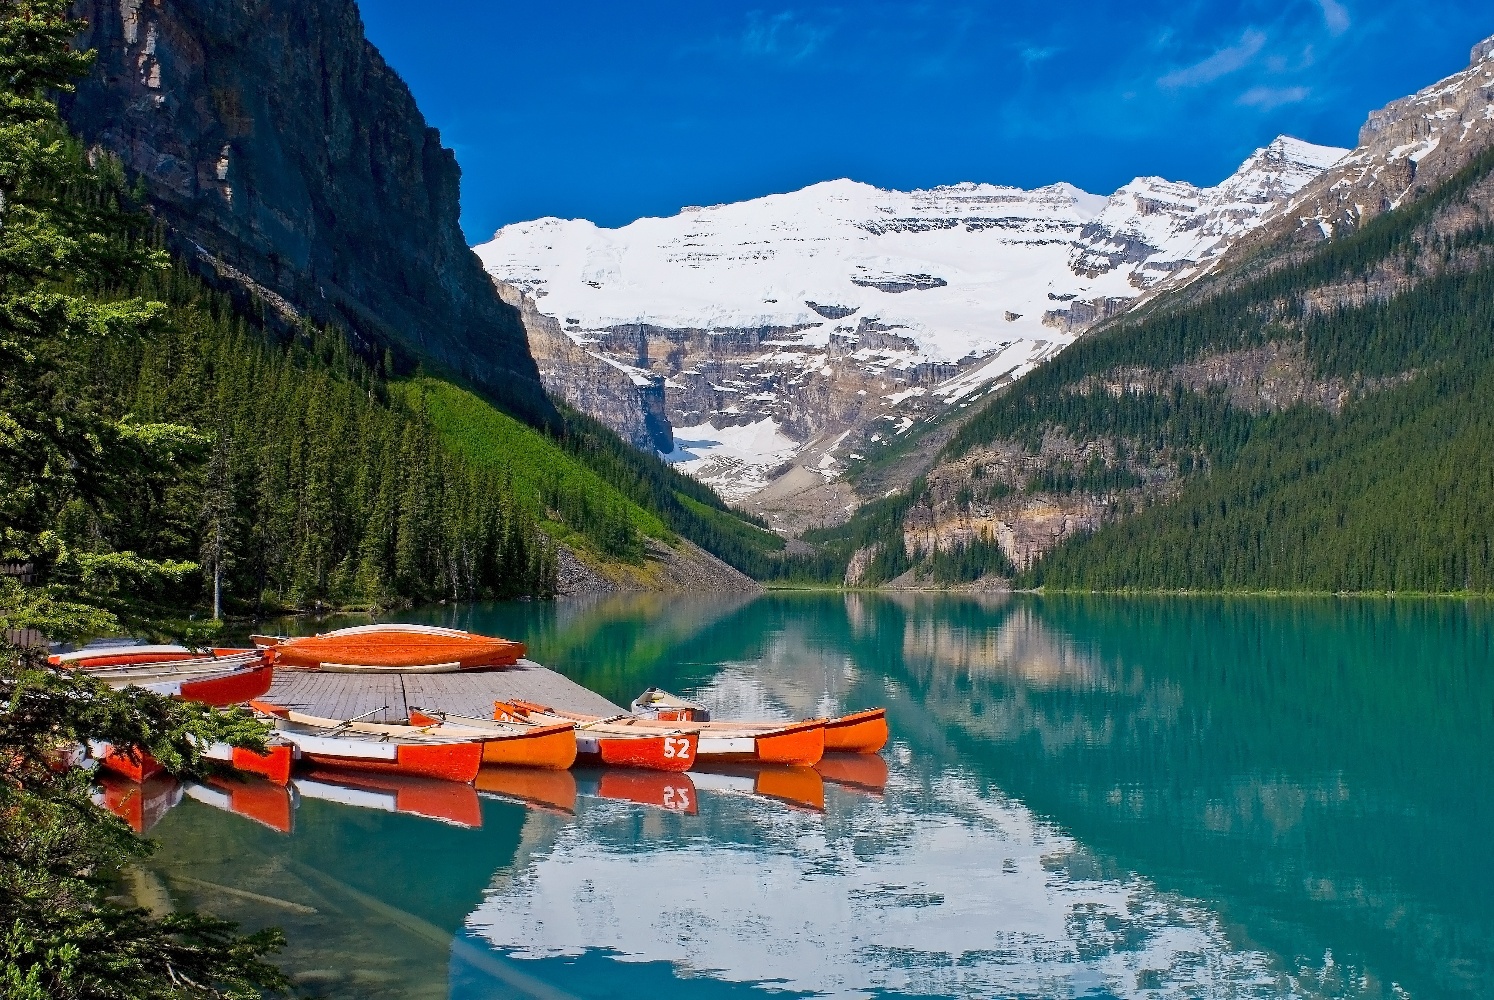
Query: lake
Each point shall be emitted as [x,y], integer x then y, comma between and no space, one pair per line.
[1096,797]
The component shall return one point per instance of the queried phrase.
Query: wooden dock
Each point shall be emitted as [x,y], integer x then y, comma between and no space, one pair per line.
[388,697]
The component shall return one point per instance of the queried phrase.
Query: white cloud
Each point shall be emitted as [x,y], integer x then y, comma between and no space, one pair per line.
[1220,64]
[1335,16]
[1036,54]
[1267,98]
[782,36]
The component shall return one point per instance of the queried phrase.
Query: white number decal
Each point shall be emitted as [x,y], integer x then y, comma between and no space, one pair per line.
[676,748]
[669,746]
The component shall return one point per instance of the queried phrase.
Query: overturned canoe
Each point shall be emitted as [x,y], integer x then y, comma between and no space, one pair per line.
[795,743]
[402,750]
[122,654]
[397,648]
[599,741]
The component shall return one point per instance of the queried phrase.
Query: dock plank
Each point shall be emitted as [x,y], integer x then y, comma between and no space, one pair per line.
[389,696]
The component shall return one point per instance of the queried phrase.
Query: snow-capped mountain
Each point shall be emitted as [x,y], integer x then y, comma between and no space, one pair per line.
[788,330]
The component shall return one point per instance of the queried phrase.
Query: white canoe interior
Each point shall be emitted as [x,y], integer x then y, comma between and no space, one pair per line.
[612,726]
[331,738]
[424,668]
[106,652]
[715,737]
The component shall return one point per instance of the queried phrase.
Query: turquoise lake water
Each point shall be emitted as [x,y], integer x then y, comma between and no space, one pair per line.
[1083,798]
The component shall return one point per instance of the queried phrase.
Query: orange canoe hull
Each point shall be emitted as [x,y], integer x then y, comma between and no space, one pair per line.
[138,766]
[275,765]
[458,762]
[799,745]
[393,652]
[233,689]
[673,753]
[550,747]
[861,732]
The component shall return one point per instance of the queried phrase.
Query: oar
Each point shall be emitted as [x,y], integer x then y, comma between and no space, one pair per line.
[358,718]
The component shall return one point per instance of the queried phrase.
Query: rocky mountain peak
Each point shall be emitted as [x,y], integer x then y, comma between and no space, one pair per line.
[788,332]
[1407,146]
[1482,51]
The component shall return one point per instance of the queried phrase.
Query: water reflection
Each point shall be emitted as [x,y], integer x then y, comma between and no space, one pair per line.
[1084,798]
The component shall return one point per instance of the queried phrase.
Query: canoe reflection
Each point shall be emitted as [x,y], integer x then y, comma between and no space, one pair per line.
[143,804]
[659,789]
[799,787]
[554,791]
[262,801]
[444,801]
[858,772]
[140,804]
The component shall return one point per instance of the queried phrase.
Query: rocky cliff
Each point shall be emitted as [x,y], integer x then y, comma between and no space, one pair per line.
[628,400]
[284,154]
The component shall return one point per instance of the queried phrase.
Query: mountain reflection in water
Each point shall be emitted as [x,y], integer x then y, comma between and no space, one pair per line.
[1085,797]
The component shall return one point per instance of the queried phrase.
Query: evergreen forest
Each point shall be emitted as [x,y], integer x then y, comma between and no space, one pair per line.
[1392,493]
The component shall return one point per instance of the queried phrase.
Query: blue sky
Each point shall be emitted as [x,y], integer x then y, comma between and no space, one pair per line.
[615,109]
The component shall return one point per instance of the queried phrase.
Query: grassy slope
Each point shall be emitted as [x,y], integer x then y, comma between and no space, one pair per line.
[599,501]
[539,468]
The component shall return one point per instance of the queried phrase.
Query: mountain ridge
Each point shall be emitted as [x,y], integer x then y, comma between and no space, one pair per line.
[791,332]
[1314,416]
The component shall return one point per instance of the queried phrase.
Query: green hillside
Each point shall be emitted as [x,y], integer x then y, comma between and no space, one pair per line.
[1395,493]
[574,503]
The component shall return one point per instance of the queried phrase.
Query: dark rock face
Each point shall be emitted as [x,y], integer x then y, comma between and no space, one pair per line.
[632,406]
[284,154]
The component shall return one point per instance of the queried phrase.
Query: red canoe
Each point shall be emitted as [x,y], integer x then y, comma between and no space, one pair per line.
[137,765]
[398,648]
[400,750]
[796,744]
[600,741]
[219,677]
